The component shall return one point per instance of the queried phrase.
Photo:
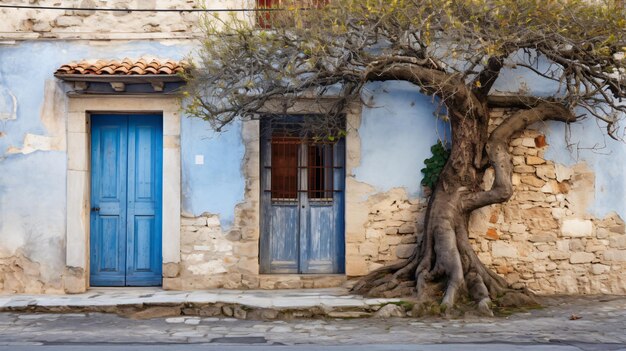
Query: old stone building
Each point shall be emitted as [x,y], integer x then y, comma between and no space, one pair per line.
[103,181]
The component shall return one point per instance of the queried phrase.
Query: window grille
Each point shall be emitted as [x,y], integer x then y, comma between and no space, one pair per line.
[270,19]
[300,165]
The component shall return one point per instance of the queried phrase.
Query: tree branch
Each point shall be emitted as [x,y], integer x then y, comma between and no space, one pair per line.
[499,157]
[449,87]
[487,77]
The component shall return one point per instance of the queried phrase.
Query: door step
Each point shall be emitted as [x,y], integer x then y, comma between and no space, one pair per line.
[301,281]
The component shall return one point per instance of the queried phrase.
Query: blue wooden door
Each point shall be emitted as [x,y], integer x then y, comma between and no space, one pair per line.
[126,185]
[302,184]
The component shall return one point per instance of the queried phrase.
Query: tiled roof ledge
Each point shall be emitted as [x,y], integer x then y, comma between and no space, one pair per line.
[142,76]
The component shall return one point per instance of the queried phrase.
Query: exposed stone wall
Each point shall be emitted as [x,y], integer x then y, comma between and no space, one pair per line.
[28,24]
[389,233]
[18,274]
[543,238]
[212,257]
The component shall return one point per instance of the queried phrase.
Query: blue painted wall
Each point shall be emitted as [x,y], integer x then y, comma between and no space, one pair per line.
[33,186]
[217,185]
[398,127]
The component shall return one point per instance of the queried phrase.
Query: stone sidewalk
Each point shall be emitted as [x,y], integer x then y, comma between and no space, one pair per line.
[601,326]
[143,303]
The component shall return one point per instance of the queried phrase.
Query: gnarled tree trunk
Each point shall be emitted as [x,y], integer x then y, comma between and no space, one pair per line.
[444,263]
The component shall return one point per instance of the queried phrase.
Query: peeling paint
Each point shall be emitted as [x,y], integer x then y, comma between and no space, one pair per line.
[20,274]
[34,143]
[8,105]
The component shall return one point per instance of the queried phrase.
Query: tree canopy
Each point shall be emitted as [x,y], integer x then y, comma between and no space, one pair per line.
[451,47]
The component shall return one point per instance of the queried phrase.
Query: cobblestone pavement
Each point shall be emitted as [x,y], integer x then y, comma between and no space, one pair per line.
[602,326]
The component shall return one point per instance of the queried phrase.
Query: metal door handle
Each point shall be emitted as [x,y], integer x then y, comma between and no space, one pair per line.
[95,209]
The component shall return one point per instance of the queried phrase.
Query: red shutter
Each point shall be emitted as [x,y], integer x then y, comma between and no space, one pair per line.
[264,18]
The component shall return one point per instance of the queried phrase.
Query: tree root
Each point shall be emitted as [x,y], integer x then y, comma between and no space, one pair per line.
[426,279]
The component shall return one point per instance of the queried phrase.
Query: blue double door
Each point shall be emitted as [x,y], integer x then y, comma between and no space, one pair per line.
[126,188]
[302,200]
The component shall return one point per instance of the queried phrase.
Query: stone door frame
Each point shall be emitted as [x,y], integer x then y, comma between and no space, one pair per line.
[355,215]
[76,275]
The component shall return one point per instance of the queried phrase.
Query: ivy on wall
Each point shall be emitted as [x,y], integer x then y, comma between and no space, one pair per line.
[435,164]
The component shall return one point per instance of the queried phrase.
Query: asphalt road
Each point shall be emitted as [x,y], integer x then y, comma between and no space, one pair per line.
[393,347]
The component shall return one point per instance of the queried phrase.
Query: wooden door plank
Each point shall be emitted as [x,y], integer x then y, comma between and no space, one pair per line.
[144,263]
[108,200]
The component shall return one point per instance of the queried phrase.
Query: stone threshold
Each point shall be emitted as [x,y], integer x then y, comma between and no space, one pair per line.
[145,303]
[302,281]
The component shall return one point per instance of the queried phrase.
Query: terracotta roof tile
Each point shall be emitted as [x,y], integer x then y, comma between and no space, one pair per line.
[141,66]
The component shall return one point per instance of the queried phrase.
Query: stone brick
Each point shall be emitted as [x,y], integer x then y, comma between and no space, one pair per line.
[540,141]
[42,26]
[563,172]
[546,172]
[170,270]
[567,284]
[619,228]
[74,280]
[542,238]
[598,269]
[395,239]
[559,255]
[518,160]
[355,237]
[372,233]
[368,249]
[518,228]
[248,265]
[519,151]
[615,255]
[172,284]
[213,221]
[524,169]
[577,228]
[582,257]
[289,283]
[231,281]
[407,228]
[501,249]
[534,160]
[492,234]
[197,221]
[532,181]
[356,266]
[530,196]
[391,231]
[576,245]
[67,21]
[618,242]
[408,239]
[250,249]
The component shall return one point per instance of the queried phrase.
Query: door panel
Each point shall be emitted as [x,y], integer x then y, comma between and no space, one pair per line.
[126,226]
[284,239]
[302,203]
[320,241]
[143,266]
[143,241]
[108,198]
